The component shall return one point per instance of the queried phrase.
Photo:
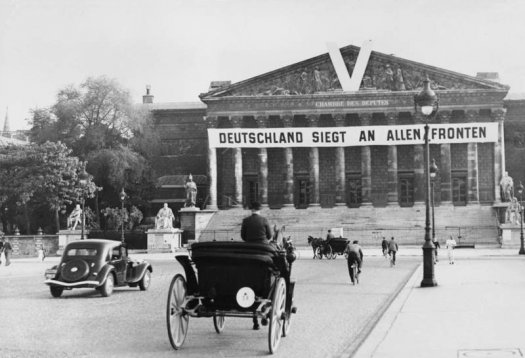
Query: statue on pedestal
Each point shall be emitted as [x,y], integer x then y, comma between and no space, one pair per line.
[507,187]
[513,212]
[74,218]
[191,193]
[164,219]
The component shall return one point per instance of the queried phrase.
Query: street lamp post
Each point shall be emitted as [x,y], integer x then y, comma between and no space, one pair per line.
[428,104]
[520,191]
[123,196]
[83,178]
[433,171]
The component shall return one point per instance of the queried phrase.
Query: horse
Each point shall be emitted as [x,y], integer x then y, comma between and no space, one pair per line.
[285,243]
[315,242]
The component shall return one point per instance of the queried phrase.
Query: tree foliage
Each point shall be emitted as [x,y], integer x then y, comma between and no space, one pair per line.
[41,174]
[99,123]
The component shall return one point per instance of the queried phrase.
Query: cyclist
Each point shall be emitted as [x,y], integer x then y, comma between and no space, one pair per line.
[392,250]
[354,256]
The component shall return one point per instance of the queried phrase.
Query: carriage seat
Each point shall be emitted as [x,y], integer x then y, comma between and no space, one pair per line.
[234,251]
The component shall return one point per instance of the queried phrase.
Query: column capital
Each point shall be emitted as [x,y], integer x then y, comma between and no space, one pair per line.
[472,115]
[312,119]
[261,120]
[339,119]
[236,121]
[365,118]
[287,119]
[391,117]
[211,121]
[498,114]
[444,116]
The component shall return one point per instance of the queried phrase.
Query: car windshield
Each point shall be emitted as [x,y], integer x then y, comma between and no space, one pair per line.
[82,252]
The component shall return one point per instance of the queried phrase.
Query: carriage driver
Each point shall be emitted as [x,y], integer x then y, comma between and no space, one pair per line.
[255,228]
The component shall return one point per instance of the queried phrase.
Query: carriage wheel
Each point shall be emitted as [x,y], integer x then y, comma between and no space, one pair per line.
[277,315]
[319,253]
[176,317]
[218,323]
[334,255]
[328,252]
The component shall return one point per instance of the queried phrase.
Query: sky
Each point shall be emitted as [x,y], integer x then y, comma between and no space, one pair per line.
[178,47]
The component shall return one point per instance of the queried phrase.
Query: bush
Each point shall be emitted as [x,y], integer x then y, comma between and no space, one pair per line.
[136,240]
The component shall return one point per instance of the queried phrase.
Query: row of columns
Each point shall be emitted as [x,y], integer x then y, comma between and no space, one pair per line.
[498,115]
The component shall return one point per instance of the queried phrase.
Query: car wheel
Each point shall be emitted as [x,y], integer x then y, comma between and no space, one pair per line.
[145,281]
[107,288]
[56,291]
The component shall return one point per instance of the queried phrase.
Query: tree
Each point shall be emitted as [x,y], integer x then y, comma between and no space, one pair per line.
[43,174]
[99,122]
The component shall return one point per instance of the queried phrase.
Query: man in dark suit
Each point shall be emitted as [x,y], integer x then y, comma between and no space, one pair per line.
[255,228]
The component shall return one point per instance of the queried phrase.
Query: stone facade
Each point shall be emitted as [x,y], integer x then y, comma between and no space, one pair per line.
[307,95]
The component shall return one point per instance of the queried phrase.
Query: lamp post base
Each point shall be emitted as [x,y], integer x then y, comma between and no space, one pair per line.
[429,279]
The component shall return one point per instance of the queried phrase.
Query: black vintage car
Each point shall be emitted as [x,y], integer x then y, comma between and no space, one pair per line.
[99,264]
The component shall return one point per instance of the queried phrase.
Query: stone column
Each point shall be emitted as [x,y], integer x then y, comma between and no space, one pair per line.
[263,166]
[472,164]
[288,159]
[237,164]
[498,115]
[314,166]
[392,195]
[445,166]
[419,167]
[211,122]
[366,165]
[340,173]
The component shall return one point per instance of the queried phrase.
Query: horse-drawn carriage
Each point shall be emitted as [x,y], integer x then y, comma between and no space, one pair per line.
[331,249]
[234,279]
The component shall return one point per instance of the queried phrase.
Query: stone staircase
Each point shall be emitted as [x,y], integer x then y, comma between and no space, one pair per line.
[476,224]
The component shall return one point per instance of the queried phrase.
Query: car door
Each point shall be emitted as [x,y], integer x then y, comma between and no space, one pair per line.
[119,261]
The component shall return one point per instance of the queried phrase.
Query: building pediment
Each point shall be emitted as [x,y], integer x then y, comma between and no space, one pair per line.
[384,73]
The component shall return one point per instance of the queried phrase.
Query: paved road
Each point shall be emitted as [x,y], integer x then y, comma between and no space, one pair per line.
[331,320]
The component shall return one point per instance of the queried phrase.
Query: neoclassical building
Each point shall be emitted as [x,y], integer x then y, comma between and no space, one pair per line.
[293,139]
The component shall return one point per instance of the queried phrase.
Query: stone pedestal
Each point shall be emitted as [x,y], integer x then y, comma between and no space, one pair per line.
[510,236]
[164,239]
[67,236]
[194,221]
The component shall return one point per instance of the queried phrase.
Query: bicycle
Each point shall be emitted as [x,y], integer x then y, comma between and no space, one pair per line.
[354,273]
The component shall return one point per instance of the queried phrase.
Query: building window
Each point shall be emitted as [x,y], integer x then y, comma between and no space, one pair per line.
[353,192]
[303,193]
[459,190]
[406,191]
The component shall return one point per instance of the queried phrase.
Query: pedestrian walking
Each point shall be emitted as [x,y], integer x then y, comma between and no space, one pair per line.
[392,250]
[384,246]
[1,247]
[436,247]
[8,249]
[450,244]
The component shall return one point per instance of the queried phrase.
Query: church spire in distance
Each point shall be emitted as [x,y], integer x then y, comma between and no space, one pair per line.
[6,122]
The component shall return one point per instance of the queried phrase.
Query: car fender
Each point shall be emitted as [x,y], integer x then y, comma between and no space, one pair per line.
[103,274]
[140,270]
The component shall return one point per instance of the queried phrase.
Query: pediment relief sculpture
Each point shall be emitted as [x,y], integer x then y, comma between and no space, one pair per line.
[383,73]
